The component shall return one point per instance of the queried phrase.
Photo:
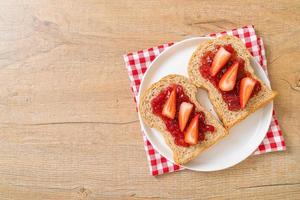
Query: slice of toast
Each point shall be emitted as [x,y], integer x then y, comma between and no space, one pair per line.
[181,154]
[229,118]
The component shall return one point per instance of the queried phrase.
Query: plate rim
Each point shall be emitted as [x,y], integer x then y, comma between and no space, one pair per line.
[143,125]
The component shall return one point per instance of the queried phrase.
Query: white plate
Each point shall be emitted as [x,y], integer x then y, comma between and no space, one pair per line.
[243,138]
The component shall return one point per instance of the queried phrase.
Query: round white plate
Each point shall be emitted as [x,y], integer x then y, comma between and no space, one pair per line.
[243,138]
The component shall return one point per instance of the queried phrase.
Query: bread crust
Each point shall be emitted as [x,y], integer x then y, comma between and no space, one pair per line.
[181,155]
[229,118]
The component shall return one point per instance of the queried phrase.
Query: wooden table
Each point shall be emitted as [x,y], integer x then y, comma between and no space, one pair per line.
[68,125]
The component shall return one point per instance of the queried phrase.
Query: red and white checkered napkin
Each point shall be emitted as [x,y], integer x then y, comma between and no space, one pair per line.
[138,62]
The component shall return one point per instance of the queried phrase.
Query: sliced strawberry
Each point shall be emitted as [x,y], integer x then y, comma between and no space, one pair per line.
[246,87]
[191,134]
[184,114]
[228,80]
[169,109]
[220,59]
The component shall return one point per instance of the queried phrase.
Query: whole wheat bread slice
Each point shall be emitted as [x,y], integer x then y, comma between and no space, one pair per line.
[229,118]
[181,155]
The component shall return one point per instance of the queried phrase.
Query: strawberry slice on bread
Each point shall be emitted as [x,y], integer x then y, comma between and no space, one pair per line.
[228,80]
[184,114]
[246,88]
[169,109]
[220,59]
[192,132]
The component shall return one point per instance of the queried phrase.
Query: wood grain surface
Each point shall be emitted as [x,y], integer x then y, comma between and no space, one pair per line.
[68,126]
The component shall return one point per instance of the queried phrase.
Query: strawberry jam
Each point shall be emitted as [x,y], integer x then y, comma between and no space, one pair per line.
[172,125]
[230,97]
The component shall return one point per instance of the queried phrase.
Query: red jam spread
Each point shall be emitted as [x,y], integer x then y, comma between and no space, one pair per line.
[230,97]
[172,125]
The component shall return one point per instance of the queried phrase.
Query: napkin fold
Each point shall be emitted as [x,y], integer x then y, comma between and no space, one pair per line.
[138,62]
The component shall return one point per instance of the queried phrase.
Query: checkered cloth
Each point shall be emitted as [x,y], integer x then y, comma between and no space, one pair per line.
[138,62]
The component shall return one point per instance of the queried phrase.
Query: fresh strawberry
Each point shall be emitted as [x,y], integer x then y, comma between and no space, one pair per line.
[228,80]
[169,109]
[220,59]
[191,134]
[246,87]
[184,114]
